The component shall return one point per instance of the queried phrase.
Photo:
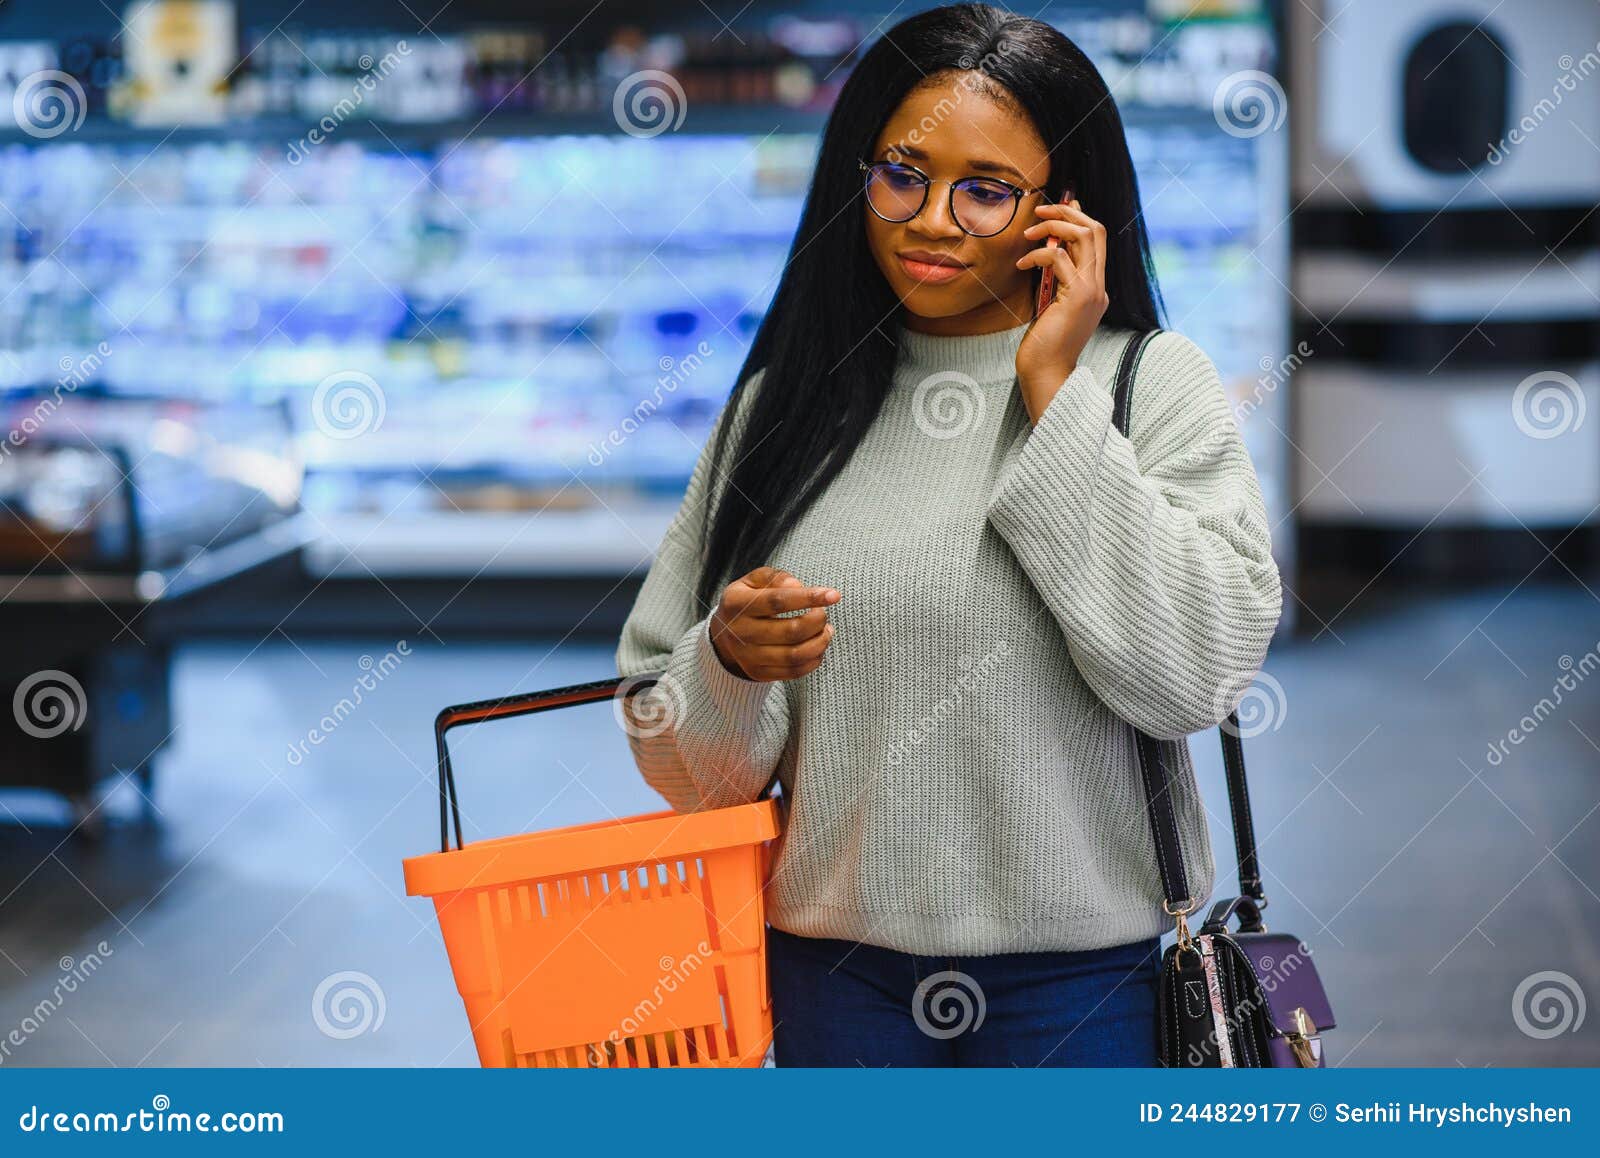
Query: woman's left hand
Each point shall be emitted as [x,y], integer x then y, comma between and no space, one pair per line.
[1050,350]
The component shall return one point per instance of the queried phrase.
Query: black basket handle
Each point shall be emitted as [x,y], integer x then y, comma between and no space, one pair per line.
[523,704]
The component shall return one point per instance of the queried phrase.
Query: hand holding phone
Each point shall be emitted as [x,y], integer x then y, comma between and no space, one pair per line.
[1047,276]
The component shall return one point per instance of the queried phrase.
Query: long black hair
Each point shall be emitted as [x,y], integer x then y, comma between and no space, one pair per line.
[828,341]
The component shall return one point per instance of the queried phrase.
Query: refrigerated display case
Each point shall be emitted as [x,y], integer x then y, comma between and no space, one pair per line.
[113,510]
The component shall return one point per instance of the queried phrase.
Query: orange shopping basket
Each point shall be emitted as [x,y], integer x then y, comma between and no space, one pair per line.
[627,943]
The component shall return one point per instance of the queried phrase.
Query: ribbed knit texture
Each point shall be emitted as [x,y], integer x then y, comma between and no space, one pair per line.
[959,774]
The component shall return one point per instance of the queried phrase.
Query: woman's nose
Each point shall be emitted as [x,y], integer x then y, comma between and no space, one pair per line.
[935,219]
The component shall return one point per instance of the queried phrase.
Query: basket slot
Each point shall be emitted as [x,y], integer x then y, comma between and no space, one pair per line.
[722,1001]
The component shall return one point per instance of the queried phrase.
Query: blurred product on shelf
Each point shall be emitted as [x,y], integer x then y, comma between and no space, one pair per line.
[178,58]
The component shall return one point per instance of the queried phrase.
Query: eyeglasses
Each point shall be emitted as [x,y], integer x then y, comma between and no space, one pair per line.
[981,206]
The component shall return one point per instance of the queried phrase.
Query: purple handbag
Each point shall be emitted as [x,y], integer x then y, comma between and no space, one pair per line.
[1242,997]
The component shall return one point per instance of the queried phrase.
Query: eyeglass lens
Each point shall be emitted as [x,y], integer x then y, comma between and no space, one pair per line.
[980,206]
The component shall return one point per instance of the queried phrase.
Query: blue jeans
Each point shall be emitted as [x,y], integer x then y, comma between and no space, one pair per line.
[840,1003]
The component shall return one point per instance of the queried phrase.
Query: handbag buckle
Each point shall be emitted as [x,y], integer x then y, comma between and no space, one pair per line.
[1186,942]
[1301,1037]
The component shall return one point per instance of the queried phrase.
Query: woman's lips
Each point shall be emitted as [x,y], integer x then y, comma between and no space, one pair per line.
[927,271]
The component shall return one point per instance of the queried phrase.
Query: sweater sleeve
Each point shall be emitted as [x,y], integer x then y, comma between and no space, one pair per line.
[703,737]
[1153,553]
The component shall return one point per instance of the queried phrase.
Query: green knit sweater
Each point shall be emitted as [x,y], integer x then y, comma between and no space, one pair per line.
[959,775]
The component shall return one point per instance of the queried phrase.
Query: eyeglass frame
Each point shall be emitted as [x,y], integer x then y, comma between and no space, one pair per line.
[1017,194]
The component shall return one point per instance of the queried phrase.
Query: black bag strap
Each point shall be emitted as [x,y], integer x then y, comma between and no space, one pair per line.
[1153,763]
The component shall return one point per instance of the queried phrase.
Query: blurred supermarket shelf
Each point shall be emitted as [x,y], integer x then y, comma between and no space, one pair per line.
[467,545]
[499,312]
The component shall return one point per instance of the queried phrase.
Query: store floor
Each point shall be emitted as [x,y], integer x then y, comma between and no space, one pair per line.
[1452,900]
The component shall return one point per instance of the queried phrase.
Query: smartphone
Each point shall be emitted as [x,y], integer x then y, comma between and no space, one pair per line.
[1047,276]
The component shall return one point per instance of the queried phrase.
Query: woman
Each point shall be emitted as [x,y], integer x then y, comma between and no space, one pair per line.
[921,581]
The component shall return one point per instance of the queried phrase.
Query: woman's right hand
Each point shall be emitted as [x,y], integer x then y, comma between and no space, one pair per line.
[754,642]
